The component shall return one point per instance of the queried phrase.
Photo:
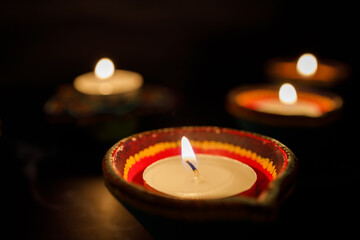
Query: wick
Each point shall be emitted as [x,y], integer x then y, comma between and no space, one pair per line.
[196,172]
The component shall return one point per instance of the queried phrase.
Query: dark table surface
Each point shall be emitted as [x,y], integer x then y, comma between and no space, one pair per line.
[55,190]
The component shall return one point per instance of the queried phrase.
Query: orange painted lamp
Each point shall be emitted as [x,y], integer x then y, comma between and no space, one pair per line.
[307,70]
[212,174]
[284,106]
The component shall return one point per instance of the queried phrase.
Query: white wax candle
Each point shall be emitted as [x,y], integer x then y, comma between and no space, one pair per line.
[105,80]
[219,177]
[300,108]
[288,104]
[121,81]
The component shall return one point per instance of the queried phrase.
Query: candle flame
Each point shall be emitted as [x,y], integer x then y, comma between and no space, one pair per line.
[307,65]
[187,155]
[287,94]
[104,68]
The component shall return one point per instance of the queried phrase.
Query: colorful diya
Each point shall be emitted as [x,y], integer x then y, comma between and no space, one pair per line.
[307,70]
[283,107]
[273,163]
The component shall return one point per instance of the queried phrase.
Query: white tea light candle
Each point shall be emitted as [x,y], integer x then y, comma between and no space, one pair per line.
[106,80]
[288,104]
[204,177]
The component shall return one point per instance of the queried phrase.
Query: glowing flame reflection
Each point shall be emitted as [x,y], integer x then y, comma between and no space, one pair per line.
[287,94]
[307,64]
[104,68]
[187,154]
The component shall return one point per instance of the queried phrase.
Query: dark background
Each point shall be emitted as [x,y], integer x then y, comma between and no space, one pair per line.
[197,49]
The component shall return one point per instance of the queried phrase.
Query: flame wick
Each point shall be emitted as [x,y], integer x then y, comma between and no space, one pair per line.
[196,172]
